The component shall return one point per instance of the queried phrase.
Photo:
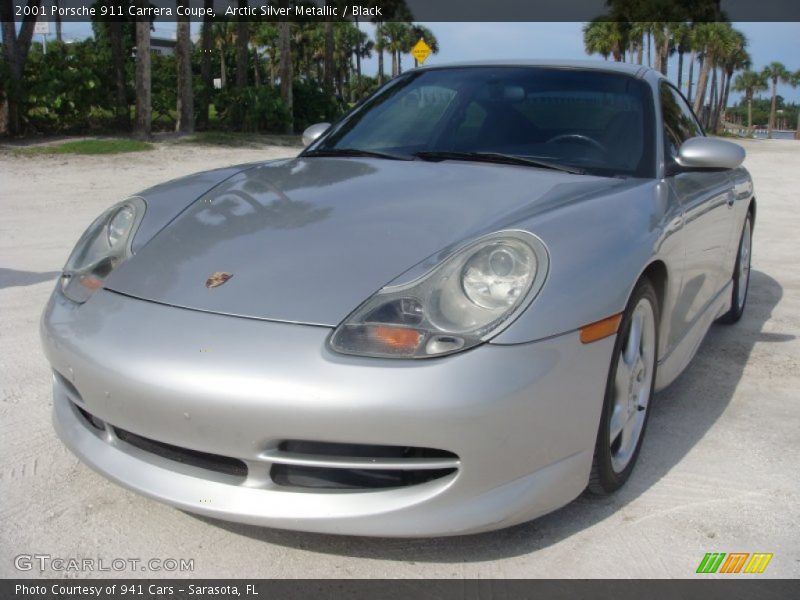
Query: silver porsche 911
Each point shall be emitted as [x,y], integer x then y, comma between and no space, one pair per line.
[448,314]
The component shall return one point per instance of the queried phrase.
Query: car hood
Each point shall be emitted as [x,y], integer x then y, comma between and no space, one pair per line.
[307,240]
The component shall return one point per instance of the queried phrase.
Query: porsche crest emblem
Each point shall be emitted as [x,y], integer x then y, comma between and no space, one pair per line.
[217,279]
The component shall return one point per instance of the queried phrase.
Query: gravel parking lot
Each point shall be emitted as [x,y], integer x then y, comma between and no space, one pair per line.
[718,471]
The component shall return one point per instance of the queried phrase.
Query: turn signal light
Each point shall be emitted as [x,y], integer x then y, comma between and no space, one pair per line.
[600,329]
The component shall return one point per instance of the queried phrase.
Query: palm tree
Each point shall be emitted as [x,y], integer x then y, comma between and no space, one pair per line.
[117,45]
[286,70]
[380,42]
[683,40]
[183,55]
[734,59]
[224,35]
[15,49]
[144,113]
[242,43]
[605,38]
[710,38]
[795,82]
[392,10]
[774,72]
[206,77]
[662,36]
[692,59]
[636,33]
[396,41]
[748,83]
[328,68]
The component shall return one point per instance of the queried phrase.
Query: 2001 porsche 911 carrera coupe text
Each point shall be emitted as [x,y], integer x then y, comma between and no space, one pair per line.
[448,314]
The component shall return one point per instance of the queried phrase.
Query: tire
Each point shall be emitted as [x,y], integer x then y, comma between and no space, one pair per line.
[741,274]
[629,392]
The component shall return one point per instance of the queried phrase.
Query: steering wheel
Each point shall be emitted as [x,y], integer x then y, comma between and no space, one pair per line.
[578,137]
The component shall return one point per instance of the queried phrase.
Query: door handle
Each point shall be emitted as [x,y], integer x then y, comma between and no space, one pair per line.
[731,199]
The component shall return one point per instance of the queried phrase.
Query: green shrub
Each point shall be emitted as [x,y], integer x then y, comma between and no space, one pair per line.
[313,105]
[252,109]
[363,86]
[164,90]
[62,86]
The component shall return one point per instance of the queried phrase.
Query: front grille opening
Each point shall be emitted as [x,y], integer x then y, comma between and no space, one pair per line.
[93,421]
[288,469]
[330,449]
[194,458]
[351,479]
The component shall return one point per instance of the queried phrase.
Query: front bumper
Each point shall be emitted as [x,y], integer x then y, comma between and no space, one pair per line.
[521,419]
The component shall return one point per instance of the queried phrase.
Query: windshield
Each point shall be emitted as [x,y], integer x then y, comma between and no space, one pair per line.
[598,122]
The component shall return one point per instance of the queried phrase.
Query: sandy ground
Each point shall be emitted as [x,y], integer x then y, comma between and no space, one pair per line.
[718,471]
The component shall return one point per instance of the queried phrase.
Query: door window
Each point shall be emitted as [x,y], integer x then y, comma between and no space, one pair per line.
[680,123]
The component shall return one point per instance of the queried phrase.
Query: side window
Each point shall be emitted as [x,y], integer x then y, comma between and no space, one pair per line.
[680,123]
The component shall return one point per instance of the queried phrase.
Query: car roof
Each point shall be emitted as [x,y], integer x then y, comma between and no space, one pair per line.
[591,65]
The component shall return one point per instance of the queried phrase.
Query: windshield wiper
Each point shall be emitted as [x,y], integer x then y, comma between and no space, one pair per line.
[356,152]
[496,157]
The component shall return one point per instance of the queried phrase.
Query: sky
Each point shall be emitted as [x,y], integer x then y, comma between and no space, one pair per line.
[486,41]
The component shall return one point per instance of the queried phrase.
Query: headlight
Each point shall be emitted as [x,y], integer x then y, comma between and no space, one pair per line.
[467,299]
[104,245]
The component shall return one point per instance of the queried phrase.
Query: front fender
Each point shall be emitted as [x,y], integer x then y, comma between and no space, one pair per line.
[598,248]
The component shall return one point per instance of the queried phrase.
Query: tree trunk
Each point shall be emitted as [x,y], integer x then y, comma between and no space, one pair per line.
[206,43]
[680,69]
[702,83]
[750,114]
[16,49]
[771,124]
[379,48]
[242,41]
[328,62]
[399,63]
[286,71]
[712,100]
[59,39]
[143,101]
[394,63]
[358,52]
[723,105]
[183,55]
[690,82]
[640,51]
[121,107]
[718,100]
[665,54]
[797,132]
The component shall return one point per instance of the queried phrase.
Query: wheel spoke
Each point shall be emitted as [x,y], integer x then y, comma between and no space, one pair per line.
[634,342]
[627,433]
[618,419]
[621,379]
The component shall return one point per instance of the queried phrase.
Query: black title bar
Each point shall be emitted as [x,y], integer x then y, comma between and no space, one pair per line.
[410,10]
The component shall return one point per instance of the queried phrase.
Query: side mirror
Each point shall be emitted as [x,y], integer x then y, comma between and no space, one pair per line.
[314,131]
[709,153]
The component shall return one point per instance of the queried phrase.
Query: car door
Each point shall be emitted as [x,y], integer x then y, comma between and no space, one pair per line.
[706,198]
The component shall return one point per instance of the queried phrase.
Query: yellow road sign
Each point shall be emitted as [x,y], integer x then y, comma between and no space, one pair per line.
[421,51]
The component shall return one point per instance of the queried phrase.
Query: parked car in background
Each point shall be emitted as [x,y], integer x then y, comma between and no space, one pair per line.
[448,314]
